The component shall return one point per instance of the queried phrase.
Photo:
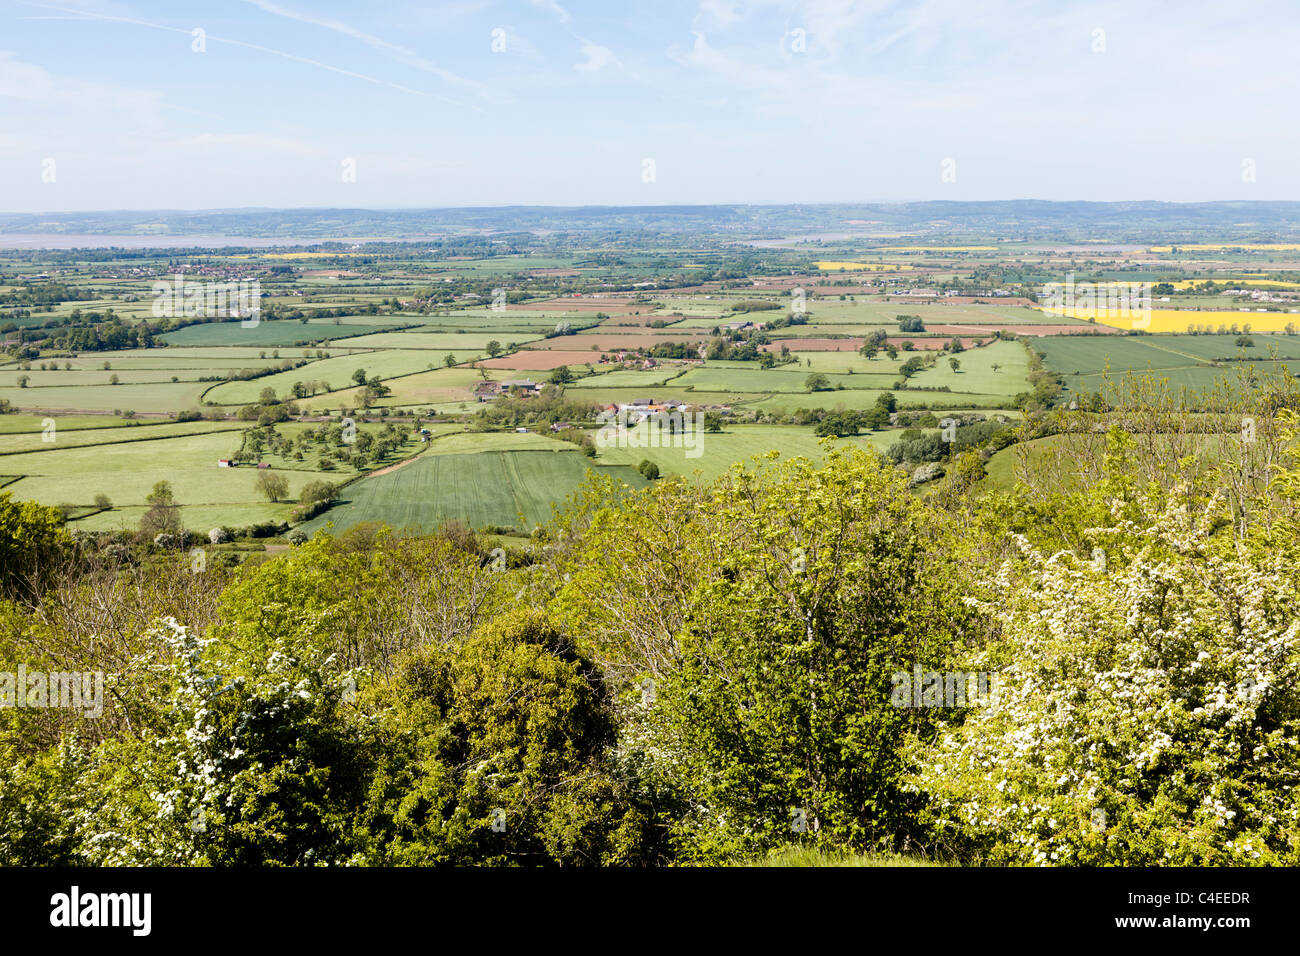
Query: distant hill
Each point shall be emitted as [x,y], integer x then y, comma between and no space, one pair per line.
[1020,218]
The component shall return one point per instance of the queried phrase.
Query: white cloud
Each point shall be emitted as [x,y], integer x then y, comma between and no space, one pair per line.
[35,84]
[597,58]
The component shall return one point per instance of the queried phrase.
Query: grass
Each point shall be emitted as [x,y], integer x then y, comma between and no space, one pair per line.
[151,397]
[126,473]
[470,344]
[790,378]
[799,856]
[976,374]
[20,424]
[63,436]
[1182,359]
[335,372]
[737,443]
[479,487]
[282,332]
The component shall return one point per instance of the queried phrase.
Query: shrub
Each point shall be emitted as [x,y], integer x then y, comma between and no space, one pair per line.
[1147,713]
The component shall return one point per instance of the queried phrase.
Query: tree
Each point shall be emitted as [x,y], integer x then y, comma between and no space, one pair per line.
[493,348]
[876,417]
[521,701]
[794,594]
[817,382]
[359,376]
[839,424]
[911,366]
[318,491]
[32,537]
[163,515]
[102,502]
[274,487]
[954,364]
[648,469]
[449,361]
[562,375]
[712,422]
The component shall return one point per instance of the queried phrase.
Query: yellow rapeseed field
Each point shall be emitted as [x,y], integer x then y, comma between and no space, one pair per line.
[292,255]
[1178,320]
[1244,281]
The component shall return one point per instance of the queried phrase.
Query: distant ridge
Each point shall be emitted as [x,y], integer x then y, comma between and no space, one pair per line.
[1013,218]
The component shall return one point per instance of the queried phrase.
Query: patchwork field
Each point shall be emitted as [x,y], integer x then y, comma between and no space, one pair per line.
[1196,362]
[400,318]
[480,487]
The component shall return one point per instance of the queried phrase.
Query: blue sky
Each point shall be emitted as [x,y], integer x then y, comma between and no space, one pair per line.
[105,104]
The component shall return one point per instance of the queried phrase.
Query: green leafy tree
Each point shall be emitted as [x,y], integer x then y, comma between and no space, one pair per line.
[32,539]
[274,487]
[163,515]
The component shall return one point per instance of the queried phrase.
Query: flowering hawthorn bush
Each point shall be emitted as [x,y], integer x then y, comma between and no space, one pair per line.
[1147,714]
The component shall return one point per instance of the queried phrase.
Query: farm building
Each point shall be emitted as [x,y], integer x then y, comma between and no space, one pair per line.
[524,385]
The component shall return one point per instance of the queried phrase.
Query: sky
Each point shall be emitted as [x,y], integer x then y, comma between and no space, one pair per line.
[145,104]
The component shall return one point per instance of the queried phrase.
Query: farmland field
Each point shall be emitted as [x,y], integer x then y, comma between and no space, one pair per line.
[328,318]
[281,333]
[486,487]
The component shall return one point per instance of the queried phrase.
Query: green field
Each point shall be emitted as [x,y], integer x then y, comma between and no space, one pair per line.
[64,434]
[482,487]
[333,373]
[127,472]
[282,332]
[1184,360]
[153,397]
[976,374]
[717,452]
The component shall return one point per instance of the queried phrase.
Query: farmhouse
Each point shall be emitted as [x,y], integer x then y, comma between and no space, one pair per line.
[523,384]
[223,462]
